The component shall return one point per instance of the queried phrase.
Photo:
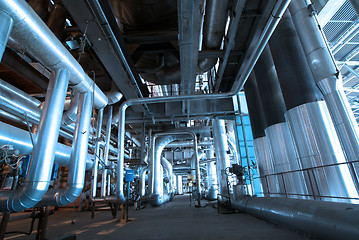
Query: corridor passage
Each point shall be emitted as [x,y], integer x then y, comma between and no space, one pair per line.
[174,220]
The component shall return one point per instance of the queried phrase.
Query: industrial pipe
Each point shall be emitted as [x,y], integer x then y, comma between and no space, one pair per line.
[309,119]
[326,220]
[211,176]
[39,174]
[77,167]
[70,115]
[6,25]
[328,80]
[179,185]
[106,151]
[41,43]
[168,167]
[97,154]
[285,156]
[143,172]
[280,7]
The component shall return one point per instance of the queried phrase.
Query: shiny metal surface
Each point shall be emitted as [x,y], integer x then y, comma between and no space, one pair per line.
[20,140]
[285,158]
[264,160]
[179,185]
[41,43]
[328,79]
[318,145]
[6,24]
[77,168]
[168,167]
[143,172]
[70,115]
[211,175]
[221,149]
[43,154]
[106,151]
[97,154]
[326,220]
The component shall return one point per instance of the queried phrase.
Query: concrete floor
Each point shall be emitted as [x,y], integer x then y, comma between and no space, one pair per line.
[174,220]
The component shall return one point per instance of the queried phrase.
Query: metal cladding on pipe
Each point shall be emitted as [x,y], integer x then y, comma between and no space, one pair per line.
[97,154]
[143,172]
[221,148]
[211,175]
[214,26]
[43,154]
[262,148]
[271,24]
[114,95]
[326,220]
[285,156]
[328,80]
[168,167]
[41,43]
[77,168]
[308,118]
[69,117]
[106,151]
[179,185]
[6,25]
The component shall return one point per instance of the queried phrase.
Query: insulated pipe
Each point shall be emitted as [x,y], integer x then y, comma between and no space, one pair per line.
[77,168]
[194,160]
[308,118]
[328,80]
[326,220]
[211,176]
[20,140]
[43,154]
[143,181]
[273,20]
[214,26]
[157,197]
[114,95]
[106,151]
[168,167]
[97,154]
[41,43]
[6,25]
[285,156]
[221,148]
[183,144]
[263,152]
[57,19]
[69,117]
[179,185]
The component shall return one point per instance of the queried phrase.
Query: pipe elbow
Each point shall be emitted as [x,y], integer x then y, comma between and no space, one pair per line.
[157,199]
[24,198]
[69,195]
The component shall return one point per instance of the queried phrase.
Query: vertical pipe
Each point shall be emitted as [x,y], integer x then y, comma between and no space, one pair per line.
[106,152]
[179,185]
[43,154]
[6,24]
[221,147]
[143,181]
[261,147]
[285,156]
[97,154]
[211,175]
[328,80]
[308,117]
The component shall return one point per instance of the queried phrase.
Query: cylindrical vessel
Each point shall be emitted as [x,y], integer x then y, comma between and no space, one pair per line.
[308,118]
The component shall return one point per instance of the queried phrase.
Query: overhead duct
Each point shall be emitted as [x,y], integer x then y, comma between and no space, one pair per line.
[326,220]
[39,174]
[77,168]
[262,149]
[308,118]
[6,25]
[285,156]
[40,42]
[328,80]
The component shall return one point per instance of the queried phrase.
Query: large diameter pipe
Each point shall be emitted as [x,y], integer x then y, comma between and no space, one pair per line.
[308,118]
[179,185]
[6,25]
[328,80]
[168,167]
[326,220]
[43,154]
[41,43]
[143,172]
[211,175]
[77,168]
[273,20]
[264,161]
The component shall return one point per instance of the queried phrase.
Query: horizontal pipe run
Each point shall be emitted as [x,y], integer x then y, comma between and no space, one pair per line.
[40,42]
[6,25]
[326,220]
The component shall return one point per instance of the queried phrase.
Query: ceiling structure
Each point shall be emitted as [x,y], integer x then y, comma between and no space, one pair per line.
[340,23]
